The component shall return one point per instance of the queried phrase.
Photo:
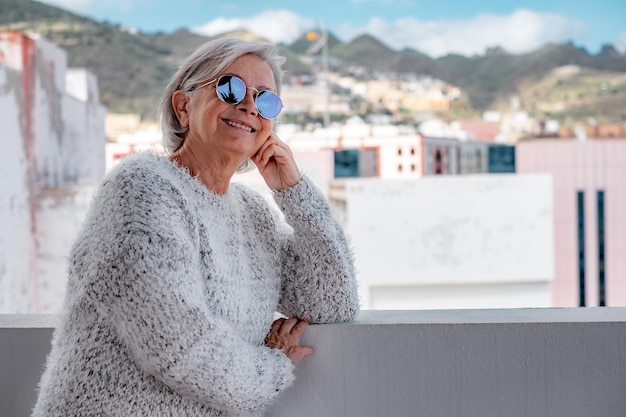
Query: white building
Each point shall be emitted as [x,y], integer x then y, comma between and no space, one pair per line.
[479,241]
[53,153]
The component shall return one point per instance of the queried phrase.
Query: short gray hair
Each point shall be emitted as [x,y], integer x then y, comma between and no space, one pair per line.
[204,64]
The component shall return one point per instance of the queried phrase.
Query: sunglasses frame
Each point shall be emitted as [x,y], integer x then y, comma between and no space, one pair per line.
[258,94]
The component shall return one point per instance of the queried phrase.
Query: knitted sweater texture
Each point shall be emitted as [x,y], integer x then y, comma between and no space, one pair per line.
[172,290]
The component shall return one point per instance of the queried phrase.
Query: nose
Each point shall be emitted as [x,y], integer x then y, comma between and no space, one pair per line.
[248,104]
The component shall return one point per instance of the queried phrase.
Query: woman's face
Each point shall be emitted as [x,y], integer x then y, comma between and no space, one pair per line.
[223,130]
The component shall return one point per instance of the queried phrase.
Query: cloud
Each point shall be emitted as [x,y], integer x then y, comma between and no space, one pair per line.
[521,31]
[274,25]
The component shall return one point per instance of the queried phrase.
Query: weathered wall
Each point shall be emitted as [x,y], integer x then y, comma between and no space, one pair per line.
[479,241]
[53,141]
[17,240]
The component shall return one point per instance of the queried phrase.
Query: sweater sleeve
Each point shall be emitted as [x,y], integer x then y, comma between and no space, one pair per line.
[318,277]
[145,278]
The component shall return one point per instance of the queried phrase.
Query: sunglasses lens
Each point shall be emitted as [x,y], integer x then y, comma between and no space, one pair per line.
[268,104]
[230,89]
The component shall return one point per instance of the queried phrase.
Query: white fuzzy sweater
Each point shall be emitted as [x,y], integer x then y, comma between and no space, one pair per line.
[172,290]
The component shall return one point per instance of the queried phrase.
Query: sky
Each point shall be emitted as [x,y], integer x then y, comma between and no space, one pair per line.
[435,27]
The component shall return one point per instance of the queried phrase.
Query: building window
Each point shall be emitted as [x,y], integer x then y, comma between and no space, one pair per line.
[399,167]
[412,167]
[347,163]
[399,151]
[580,203]
[438,162]
[601,242]
[412,151]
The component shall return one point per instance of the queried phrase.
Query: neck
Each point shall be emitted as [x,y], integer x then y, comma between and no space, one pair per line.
[213,172]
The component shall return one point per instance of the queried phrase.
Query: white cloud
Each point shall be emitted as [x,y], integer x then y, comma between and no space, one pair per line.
[274,25]
[522,31]
[519,32]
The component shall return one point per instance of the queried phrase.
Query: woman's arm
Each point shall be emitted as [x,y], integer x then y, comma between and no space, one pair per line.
[318,277]
[145,279]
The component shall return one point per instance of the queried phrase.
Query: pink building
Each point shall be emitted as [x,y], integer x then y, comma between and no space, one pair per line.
[480,130]
[589,217]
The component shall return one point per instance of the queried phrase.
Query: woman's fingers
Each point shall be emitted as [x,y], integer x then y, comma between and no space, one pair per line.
[298,353]
[276,164]
[298,329]
[285,334]
[284,329]
[272,148]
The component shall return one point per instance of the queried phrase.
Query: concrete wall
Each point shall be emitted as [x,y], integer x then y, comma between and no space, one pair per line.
[471,363]
[53,144]
[24,344]
[16,212]
[60,213]
[514,363]
[450,242]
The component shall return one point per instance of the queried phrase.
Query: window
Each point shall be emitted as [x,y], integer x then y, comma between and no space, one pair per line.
[601,276]
[438,162]
[347,163]
[580,203]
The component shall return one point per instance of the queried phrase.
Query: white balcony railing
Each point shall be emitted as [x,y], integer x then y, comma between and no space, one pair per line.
[470,363]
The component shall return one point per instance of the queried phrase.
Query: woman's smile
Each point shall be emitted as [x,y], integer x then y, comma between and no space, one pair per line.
[239,125]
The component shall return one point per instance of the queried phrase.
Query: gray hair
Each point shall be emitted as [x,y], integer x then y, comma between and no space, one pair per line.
[204,64]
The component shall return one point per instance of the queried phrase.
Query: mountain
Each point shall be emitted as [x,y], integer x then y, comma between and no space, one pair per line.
[302,44]
[133,68]
[367,52]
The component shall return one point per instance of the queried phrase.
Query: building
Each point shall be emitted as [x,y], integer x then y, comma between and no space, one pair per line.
[53,140]
[589,217]
[438,242]
[480,130]
[357,149]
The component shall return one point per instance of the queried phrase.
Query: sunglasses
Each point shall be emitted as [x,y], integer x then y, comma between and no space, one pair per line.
[232,90]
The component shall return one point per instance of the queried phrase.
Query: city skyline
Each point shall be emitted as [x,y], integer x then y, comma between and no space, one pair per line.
[434,28]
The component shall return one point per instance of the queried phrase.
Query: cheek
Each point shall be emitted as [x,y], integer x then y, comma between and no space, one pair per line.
[267,126]
[207,117]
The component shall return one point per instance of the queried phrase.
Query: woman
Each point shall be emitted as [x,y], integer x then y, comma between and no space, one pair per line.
[177,273]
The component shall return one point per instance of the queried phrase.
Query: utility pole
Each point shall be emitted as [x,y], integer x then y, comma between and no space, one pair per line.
[320,40]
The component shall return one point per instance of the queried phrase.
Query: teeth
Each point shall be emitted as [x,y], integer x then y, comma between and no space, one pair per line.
[239,125]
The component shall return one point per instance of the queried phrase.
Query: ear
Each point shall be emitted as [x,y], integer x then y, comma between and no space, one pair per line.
[180,100]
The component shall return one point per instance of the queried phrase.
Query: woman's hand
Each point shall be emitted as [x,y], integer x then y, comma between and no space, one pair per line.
[276,164]
[285,335]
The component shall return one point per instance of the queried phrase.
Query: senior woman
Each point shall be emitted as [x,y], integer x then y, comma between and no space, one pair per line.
[177,274]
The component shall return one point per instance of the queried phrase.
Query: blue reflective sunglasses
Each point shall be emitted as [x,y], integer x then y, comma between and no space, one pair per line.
[232,90]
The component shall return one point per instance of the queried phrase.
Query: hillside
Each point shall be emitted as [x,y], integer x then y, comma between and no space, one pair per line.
[573,93]
[133,68]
